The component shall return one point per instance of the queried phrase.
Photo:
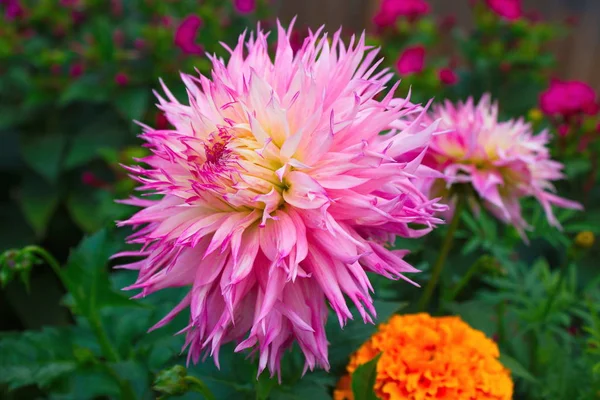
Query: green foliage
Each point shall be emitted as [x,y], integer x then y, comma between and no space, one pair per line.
[363,380]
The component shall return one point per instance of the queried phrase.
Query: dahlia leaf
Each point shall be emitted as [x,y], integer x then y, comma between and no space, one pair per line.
[356,333]
[516,368]
[105,132]
[36,358]
[38,202]
[363,380]
[88,88]
[132,103]
[86,275]
[44,153]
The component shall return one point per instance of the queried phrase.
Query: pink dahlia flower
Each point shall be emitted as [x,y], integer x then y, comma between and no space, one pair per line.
[502,161]
[278,194]
[510,10]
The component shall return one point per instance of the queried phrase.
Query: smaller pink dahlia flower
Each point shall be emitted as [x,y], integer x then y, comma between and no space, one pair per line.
[502,161]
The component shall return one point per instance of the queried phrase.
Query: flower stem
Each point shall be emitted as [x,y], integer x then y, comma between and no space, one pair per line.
[108,350]
[441,260]
[196,385]
[463,281]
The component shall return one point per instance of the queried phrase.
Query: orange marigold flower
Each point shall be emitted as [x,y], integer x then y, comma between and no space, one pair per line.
[425,357]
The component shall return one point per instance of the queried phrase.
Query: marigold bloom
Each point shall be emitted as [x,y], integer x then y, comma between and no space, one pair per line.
[424,357]
[502,161]
[279,194]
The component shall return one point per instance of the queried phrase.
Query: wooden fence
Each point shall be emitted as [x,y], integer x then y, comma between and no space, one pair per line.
[578,54]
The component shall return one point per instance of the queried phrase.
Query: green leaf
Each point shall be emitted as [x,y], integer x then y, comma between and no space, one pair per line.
[38,201]
[349,339]
[86,275]
[104,132]
[43,153]
[264,386]
[132,103]
[88,88]
[363,380]
[36,358]
[516,368]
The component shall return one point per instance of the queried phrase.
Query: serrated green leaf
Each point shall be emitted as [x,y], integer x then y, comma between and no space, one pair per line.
[87,277]
[516,368]
[363,380]
[43,153]
[36,358]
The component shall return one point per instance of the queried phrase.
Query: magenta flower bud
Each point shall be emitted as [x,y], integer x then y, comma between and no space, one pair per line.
[185,36]
[411,61]
[121,79]
[510,10]
[447,76]
[244,6]
[139,44]
[76,70]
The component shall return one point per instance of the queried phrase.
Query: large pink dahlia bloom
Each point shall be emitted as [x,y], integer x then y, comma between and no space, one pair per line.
[502,161]
[279,194]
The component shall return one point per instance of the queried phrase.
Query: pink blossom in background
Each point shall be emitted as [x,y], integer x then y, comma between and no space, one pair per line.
[390,10]
[447,76]
[76,70]
[278,194]
[510,10]
[121,79]
[185,36]
[563,130]
[139,44]
[13,9]
[411,61]
[69,3]
[244,6]
[502,161]
[569,98]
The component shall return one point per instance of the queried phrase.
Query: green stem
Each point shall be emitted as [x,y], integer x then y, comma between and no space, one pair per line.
[108,350]
[439,263]
[500,311]
[50,260]
[196,385]
[463,281]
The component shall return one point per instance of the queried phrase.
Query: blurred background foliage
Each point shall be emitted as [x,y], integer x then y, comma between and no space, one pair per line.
[74,74]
